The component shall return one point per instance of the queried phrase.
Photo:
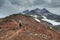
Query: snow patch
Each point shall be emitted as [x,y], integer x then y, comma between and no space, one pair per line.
[53,22]
[37,20]
[34,16]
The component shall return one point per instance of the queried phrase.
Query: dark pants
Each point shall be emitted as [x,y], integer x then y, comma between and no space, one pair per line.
[20,25]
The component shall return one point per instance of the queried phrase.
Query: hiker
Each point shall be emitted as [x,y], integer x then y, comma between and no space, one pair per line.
[20,23]
[1,29]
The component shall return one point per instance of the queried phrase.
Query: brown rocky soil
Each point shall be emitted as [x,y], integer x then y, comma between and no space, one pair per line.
[30,30]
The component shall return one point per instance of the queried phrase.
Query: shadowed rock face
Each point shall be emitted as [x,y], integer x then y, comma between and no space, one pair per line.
[32,30]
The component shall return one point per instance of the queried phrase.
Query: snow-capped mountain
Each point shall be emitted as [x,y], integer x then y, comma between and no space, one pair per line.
[39,13]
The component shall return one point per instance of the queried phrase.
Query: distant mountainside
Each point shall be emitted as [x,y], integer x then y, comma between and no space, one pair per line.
[43,12]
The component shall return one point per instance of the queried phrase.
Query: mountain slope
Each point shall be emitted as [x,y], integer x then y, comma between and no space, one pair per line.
[31,29]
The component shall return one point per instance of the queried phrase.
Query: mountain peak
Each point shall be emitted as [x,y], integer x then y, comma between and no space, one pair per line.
[44,10]
[26,11]
[37,9]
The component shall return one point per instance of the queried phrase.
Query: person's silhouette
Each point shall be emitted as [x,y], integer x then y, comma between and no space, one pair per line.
[20,23]
[0,27]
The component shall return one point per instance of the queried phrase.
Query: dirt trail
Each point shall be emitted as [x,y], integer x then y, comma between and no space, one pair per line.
[14,34]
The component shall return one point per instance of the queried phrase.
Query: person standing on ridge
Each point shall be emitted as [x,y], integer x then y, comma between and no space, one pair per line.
[20,23]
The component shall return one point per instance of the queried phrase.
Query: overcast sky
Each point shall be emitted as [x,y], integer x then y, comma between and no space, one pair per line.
[8,7]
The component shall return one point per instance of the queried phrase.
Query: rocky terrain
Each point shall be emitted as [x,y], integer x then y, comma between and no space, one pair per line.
[30,29]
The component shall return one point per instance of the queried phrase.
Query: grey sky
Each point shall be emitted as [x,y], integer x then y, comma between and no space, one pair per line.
[8,7]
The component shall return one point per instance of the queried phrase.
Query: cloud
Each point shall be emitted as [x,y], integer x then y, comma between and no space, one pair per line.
[52,3]
[39,2]
[23,3]
[1,3]
[8,7]
[15,2]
